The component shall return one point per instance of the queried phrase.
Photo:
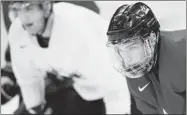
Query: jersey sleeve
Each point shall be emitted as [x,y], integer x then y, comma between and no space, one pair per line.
[28,77]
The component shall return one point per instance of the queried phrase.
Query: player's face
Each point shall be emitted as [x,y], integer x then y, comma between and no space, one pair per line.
[132,52]
[32,18]
[133,56]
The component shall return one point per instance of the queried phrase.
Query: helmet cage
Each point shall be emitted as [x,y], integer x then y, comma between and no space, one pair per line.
[132,22]
[145,65]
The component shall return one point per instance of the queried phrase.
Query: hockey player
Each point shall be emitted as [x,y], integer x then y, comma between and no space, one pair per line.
[153,61]
[8,82]
[61,39]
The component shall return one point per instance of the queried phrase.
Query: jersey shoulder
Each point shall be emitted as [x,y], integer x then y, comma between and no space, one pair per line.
[172,60]
[16,32]
[175,40]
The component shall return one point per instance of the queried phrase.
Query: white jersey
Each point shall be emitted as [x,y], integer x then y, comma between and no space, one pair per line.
[77,45]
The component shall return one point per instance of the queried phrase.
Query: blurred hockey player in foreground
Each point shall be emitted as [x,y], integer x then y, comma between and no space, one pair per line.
[67,42]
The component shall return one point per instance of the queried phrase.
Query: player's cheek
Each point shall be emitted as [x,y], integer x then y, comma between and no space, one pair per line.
[137,54]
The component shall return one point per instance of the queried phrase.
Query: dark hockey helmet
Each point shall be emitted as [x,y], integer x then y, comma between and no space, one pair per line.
[131,22]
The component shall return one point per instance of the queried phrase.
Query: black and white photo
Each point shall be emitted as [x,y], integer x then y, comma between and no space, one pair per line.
[93,57]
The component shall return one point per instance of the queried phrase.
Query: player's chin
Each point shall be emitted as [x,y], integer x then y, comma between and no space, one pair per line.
[33,30]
